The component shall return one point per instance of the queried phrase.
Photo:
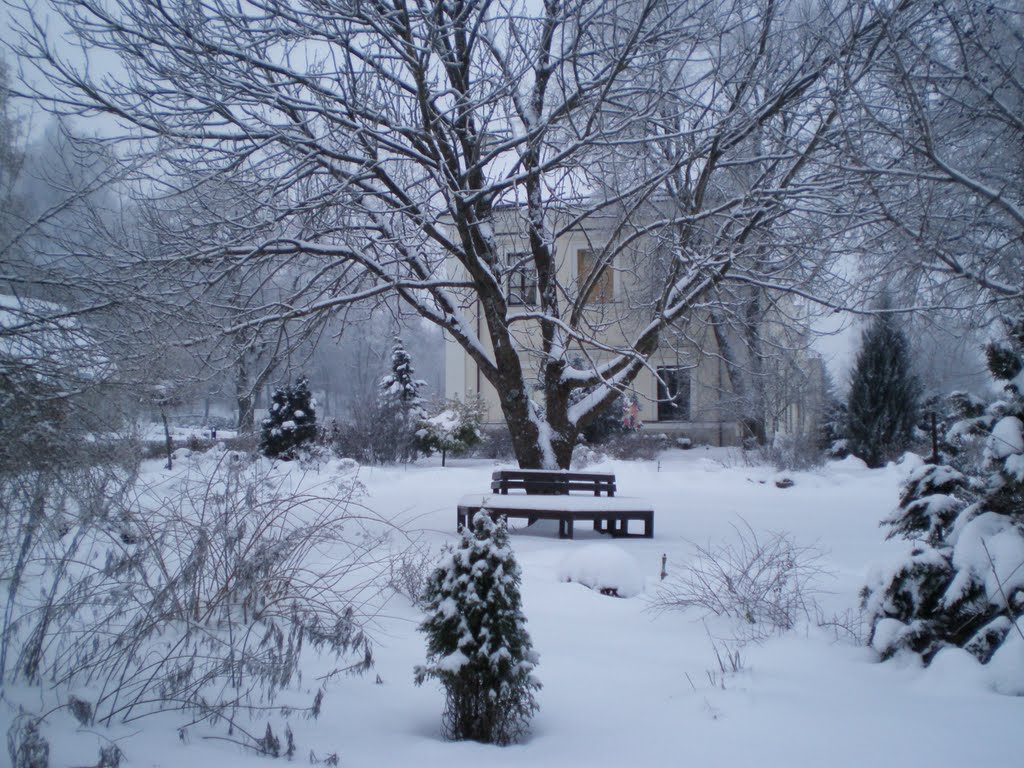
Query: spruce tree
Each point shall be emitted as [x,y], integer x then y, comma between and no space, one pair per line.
[882,406]
[291,422]
[477,643]
[401,408]
[962,583]
[400,387]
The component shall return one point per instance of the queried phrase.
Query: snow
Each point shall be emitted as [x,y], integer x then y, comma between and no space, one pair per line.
[445,421]
[603,567]
[625,686]
[989,549]
[1007,437]
[1006,669]
[1014,467]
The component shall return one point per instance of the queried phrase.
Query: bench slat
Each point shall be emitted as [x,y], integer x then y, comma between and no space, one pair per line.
[552,482]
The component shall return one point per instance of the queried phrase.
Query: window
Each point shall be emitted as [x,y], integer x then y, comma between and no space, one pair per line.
[586,260]
[522,279]
[673,394]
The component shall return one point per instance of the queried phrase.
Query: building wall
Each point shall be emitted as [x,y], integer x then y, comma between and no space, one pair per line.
[708,380]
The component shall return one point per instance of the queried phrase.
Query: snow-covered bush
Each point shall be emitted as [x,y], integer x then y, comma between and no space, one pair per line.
[453,429]
[962,583]
[832,429]
[884,393]
[477,643]
[605,568]
[198,591]
[767,581]
[291,422]
[26,746]
[48,515]
[793,452]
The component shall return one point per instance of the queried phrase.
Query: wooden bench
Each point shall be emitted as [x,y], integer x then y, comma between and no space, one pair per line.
[547,496]
[551,483]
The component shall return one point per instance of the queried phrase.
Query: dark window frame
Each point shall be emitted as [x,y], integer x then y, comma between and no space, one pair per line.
[522,279]
[674,393]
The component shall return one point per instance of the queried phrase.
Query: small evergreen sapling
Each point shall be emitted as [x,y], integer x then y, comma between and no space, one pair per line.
[291,423]
[400,387]
[401,408]
[477,643]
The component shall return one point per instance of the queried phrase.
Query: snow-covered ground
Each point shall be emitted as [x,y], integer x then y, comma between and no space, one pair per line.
[625,685]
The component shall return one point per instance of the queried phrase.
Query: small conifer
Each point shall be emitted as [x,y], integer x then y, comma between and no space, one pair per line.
[291,422]
[477,643]
[884,392]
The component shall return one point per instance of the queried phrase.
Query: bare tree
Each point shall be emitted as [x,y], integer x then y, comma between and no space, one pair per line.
[941,145]
[388,138]
[196,214]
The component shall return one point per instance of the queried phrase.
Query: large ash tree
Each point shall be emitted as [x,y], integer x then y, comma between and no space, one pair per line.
[385,137]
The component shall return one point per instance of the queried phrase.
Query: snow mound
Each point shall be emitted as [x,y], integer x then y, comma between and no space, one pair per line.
[1007,665]
[1007,438]
[850,462]
[604,568]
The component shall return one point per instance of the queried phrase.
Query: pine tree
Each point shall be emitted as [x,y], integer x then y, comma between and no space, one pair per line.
[400,387]
[477,643]
[291,423]
[963,582]
[401,408]
[882,407]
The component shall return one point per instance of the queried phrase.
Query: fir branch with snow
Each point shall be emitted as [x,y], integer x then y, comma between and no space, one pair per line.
[477,643]
[963,583]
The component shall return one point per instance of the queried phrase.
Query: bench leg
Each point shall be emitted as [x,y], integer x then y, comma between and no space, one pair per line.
[565,527]
[649,526]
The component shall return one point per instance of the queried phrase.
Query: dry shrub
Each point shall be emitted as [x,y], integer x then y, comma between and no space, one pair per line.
[766,580]
[200,593]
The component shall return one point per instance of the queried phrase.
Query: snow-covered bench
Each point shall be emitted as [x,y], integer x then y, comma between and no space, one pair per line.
[547,496]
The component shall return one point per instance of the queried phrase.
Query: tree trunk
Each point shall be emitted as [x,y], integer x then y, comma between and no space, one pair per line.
[246,414]
[244,396]
[167,438]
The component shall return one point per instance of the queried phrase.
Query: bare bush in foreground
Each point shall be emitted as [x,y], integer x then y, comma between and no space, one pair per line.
[204,597]
[766,580]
